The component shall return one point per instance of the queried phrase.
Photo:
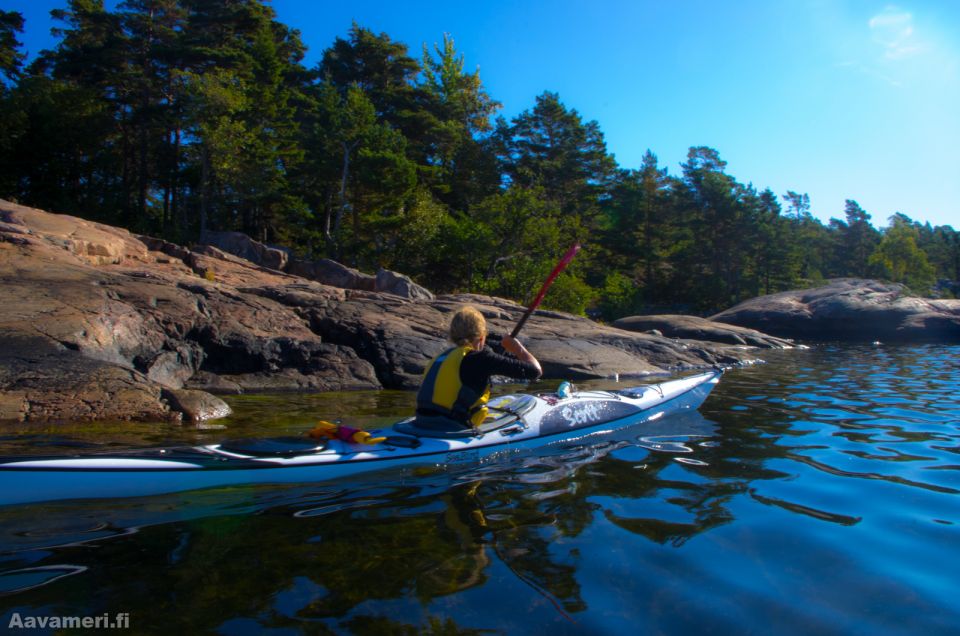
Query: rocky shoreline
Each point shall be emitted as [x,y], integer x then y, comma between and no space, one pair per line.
[852,310]
[100,324]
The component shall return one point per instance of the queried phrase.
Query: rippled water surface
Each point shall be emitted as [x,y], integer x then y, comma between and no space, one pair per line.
[817,493]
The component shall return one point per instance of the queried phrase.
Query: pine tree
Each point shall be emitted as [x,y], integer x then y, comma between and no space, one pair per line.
[552,148]
[776,262]
[359,164]
[721,214]
[152,29]
[12,118]
[641,236]
[243,79]
[67,157]
[460,109]
[11,59]
[856,240]
[385,72]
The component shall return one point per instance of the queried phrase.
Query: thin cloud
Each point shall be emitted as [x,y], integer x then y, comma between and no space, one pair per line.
[893,30]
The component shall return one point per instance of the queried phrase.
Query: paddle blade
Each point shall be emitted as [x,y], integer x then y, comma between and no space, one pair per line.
[561,265]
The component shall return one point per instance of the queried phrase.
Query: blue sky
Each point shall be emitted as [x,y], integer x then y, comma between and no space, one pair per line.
[841,99]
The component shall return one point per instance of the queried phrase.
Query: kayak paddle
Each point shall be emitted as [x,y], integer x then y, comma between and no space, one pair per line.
[546,285]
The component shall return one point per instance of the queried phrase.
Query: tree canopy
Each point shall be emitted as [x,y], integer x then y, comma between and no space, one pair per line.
[174,117]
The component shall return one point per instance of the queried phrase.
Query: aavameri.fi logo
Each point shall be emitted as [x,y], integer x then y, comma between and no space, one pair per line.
[119,620]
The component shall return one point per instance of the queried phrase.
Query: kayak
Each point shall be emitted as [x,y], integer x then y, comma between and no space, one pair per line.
[516,422]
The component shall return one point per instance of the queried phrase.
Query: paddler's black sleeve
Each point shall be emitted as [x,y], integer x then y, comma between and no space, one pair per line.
[478,366]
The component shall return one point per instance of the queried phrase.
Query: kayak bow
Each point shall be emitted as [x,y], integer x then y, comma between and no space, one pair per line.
[522,421]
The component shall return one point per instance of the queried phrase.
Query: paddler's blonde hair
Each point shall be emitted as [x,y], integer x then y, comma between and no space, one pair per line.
[467,325]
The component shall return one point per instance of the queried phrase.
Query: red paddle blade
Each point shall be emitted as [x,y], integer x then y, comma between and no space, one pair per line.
[562,265]
[546,285]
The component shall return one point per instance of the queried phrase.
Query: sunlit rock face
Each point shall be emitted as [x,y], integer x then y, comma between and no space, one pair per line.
[98,323]
[850,309]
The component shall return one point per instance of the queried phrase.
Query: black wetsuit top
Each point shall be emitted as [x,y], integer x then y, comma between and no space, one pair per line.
[478,367]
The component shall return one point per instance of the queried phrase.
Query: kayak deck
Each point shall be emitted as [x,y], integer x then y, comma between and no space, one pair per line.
[523,421]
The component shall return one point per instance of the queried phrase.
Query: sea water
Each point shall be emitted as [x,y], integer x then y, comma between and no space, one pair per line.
[816,493]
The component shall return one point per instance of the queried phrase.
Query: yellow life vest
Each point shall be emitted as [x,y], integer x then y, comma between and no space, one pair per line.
[443,393]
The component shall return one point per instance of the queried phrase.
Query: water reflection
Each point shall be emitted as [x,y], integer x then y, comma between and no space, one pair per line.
[21,580]
[340,547]
[818,491]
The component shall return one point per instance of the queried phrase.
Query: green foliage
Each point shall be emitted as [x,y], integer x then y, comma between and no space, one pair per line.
[897,257]
[856,240]
[570,294]
[525,241]
[724,217]
[416,233]
[458,111]
[550,147]
[58,159]
[172,117]
[619,297]
[11,60]
[641,232]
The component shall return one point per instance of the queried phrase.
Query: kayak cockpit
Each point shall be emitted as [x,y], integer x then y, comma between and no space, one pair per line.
[272,447]
[504,411]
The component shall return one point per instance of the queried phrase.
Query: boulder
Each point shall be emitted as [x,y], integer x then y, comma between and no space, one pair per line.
[852,310]
[171,368]
[197,406]
[696,328]
[400,285]
[332,273]
[41,380]
[324,270]
[239,244]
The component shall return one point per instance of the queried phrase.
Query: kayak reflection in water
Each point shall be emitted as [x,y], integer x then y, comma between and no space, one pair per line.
[456,385]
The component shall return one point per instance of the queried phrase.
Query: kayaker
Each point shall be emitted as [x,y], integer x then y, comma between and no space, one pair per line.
[456,385]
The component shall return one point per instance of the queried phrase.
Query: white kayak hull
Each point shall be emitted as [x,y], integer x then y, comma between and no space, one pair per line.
[544,420]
